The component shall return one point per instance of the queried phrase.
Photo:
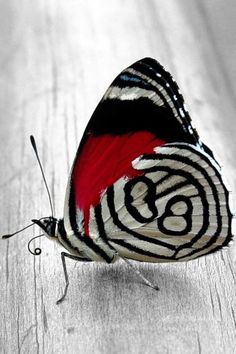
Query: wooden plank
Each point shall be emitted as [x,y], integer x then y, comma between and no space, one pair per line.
[57,59]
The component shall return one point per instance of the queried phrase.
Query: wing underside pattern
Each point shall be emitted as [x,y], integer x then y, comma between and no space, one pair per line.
[126,150]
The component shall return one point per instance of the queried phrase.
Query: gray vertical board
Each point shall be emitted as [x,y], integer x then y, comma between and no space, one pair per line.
[57,59]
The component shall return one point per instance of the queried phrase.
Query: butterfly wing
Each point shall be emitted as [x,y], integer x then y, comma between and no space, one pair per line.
[141,110]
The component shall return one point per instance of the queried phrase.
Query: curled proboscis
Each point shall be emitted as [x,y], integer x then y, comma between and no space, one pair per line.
[37,251]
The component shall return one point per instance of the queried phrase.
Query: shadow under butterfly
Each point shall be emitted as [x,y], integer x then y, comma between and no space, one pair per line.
[143,186]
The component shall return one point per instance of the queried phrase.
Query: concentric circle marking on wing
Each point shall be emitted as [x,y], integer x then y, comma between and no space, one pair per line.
[142,209]
[132,227]
[192,208]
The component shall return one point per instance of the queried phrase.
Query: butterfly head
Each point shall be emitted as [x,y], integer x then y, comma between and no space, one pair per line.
[49,225]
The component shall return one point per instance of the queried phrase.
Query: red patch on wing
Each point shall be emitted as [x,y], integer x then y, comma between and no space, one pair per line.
[102,161]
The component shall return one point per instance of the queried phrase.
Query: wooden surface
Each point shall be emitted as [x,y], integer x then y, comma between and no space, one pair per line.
[56,60]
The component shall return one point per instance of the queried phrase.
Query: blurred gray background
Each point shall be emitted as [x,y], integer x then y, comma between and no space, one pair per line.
[57,58]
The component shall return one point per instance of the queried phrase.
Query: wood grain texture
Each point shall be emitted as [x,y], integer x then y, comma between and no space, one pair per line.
[56,60]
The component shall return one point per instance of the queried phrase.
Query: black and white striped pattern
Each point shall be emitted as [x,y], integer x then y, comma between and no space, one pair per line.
[177,210]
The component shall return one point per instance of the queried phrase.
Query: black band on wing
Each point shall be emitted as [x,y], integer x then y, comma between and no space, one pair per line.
[116,117]
[95,248]
[139,250]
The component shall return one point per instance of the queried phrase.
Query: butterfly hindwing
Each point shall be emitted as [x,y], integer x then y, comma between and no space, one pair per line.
[178,209]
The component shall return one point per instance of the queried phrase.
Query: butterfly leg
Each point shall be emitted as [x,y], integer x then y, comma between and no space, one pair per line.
[146,281]
[63,259]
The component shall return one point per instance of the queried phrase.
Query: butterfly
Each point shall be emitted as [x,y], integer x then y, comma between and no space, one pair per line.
[143,186]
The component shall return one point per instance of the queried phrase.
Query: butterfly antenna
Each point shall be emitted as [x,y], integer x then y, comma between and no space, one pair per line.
[17,232]
[33,143]
[24,228]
